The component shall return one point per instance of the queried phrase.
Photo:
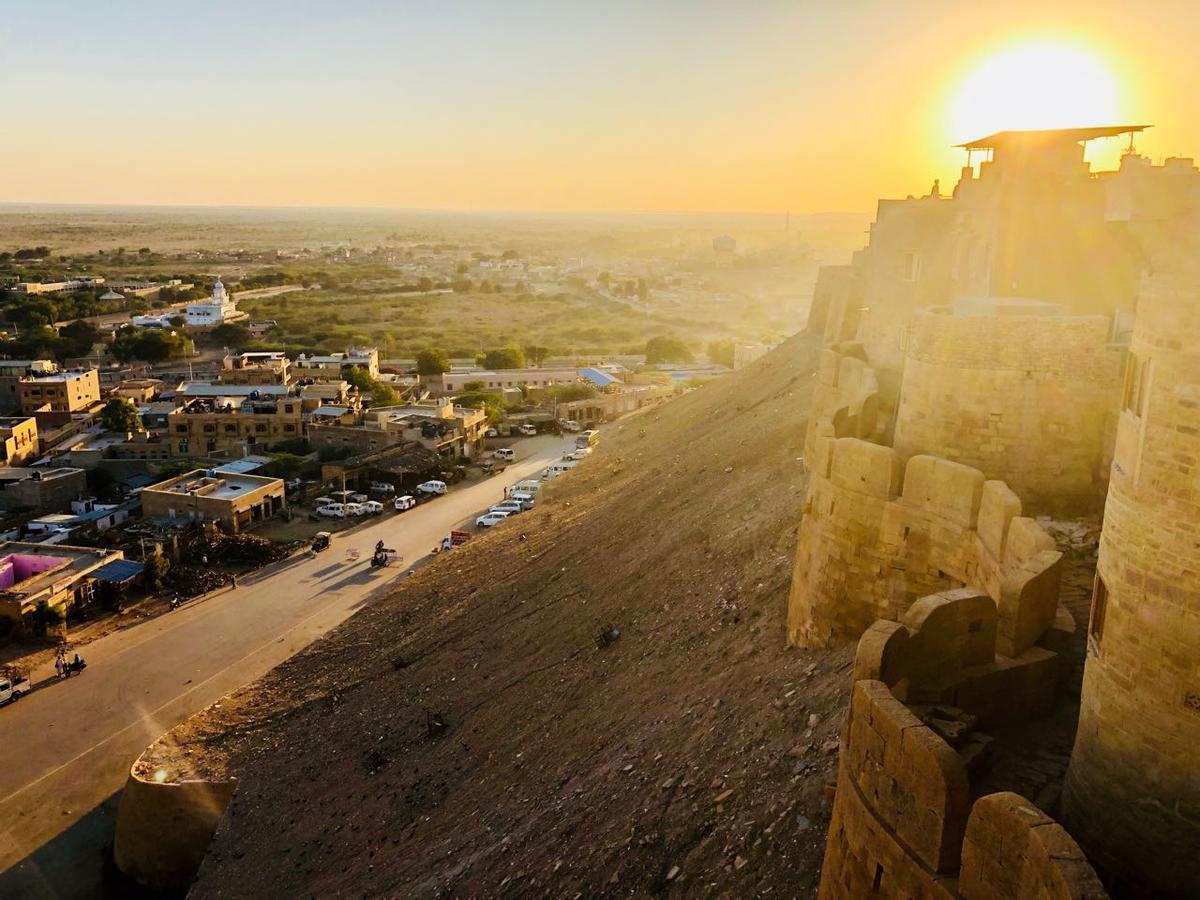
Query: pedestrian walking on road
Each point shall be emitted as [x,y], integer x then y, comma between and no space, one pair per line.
[58,665]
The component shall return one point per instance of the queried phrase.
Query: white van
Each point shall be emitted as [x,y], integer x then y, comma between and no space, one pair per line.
[506,453]
[524,498]
[529,486]
[332,511]
[355,509]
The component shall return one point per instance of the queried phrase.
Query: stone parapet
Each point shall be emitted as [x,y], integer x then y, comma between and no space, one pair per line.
[868,548]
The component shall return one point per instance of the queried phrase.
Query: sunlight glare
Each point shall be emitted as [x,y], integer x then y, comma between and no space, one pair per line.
[1044,84]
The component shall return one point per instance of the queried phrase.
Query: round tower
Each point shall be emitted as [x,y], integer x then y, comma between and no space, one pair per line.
[1133,789]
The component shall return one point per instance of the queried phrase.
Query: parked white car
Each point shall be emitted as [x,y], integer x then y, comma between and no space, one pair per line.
[356,509]
[11,689]
[569,425]
[332,511]
[527,429]
[432,487]
[508,454]
[373,508]
[579,453]
[512,507]
[382,487]
[491,432]
[488,519]
[359,498]
[405,502]
[526,499]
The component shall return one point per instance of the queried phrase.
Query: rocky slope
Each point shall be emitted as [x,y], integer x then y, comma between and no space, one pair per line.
[688,755]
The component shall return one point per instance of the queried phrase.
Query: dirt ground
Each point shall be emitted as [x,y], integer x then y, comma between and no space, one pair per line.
[594,700]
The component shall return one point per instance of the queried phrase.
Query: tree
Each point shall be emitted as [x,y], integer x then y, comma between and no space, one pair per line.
[78,337]
[154,570]
[231,334]
[505,358]
[667,349]
[489,401]
[383,394]
[432,361]
[565,393]
[178,321]
[286,465]
[721,352]
[149,345]
[536,355]
[474,386]
[119,414]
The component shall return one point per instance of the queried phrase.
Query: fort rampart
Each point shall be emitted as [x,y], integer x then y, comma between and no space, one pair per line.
[905,822]
[877,535]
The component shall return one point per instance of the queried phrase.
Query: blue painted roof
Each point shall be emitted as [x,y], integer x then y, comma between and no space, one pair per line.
[118,571]
[598,378]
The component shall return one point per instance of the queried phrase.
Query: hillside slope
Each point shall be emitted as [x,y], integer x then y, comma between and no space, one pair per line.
[689,755]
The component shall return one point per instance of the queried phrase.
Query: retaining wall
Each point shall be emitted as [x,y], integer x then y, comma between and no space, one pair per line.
[164,828]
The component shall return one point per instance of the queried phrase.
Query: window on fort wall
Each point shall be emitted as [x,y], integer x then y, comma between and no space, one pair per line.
[1096,617]
[1136,396]
[911,266]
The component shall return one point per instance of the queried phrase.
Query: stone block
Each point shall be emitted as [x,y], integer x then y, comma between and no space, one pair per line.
[945,489]
[998,506]
[868,468]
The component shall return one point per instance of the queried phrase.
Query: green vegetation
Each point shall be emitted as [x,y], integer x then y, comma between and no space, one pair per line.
[119,414]
[432,361]
[380,393]
[149,345]
[667,349]
[504,358]
[721,352]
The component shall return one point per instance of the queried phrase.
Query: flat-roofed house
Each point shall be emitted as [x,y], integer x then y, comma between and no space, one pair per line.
[235,500]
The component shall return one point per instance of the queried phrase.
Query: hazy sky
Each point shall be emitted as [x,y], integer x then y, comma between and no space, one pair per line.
[651,105]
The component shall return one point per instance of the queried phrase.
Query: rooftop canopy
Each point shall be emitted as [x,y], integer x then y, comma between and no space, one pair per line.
[1050,135]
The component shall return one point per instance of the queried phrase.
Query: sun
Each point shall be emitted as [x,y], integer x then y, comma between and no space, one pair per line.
[1035,84]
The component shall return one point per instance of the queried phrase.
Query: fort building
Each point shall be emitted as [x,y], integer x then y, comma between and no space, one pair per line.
[1035,236]
[1133,789]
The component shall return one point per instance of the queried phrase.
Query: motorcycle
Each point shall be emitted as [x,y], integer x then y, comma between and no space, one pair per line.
[73,667]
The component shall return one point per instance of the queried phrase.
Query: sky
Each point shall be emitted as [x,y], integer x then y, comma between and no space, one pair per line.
[758,105]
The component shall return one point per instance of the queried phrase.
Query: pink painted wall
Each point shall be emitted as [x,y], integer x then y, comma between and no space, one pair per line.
[17,567]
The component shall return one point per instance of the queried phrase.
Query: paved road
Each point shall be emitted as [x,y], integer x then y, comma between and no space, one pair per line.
[66,749]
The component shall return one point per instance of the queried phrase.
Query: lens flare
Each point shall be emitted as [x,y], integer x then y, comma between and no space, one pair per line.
[1043,84]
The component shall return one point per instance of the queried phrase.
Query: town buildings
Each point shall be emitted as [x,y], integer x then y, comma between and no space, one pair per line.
[231,425]
[258,367]
[52,577]
[332,367]
[217,310]
[12,371]
[236,501]
[62,392]
[18,439]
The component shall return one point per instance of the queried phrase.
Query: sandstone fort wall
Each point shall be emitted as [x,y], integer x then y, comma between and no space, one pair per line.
[904,824]
[1133,788]
[1023,398]
[876,536]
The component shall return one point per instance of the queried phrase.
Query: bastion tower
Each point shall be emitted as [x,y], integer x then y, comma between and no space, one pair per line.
[1132,796]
